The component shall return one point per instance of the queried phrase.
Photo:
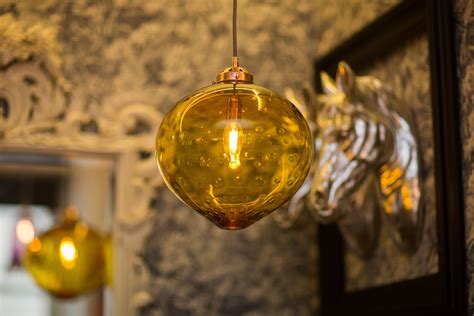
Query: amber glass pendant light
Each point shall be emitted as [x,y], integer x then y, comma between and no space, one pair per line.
[67,260]
[234,151]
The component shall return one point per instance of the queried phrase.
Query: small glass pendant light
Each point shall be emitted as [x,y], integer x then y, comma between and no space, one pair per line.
[67,260]
[234,151]
[24,234]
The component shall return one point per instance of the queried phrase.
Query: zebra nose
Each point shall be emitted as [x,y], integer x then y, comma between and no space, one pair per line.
[320,199]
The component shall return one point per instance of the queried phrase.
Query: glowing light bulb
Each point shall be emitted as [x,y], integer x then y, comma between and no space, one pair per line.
[35,245]
[25,231]
[233,133]
[24,234]
[233,143]
[67,253]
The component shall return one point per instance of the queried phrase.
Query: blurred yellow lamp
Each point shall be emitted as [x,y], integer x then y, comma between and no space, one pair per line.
[67,260]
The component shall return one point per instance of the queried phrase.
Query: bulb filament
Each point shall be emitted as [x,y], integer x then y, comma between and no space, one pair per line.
[67,253]
[233,133]
[234,144]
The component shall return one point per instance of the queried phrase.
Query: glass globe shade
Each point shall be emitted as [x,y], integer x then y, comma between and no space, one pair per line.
[66,260]
[234,152]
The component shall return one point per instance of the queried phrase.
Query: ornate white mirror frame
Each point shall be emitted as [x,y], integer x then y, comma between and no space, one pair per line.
[38,115]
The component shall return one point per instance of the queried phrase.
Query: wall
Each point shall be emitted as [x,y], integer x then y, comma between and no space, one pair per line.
[464,17]
[156,52]
[336,22]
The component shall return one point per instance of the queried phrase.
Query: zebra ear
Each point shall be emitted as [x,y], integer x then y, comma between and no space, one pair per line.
[311,99]
[306,102]
[345,78]
[329,87]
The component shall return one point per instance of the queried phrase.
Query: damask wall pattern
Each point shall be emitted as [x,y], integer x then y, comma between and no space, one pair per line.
[337,21]
[200,270]
[117,51]
[130,51]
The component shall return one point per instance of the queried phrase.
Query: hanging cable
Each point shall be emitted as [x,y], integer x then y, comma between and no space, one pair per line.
[234,29]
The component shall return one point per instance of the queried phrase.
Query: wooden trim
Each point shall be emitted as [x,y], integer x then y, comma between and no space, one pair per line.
[448,152]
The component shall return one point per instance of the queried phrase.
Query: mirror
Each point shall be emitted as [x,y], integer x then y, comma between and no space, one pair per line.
[34,190]
[55,153]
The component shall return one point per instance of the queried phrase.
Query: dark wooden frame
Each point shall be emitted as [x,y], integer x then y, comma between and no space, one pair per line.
[444,293]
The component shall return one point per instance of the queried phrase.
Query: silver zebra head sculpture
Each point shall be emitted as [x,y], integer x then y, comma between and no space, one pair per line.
[354,138]
[367,162]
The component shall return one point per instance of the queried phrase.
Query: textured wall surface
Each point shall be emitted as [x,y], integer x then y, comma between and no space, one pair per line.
[406,72]
[338,20]
[464,16]
[200,270]
[156,52]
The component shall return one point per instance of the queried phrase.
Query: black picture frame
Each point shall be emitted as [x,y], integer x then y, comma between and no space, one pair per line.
[444,293]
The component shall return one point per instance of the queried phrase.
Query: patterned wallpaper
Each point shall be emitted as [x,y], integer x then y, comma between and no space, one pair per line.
[336,22]
[464,17]
[198,269]
[156,52]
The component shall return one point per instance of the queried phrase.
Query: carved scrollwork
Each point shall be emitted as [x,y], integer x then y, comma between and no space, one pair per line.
[36,113]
